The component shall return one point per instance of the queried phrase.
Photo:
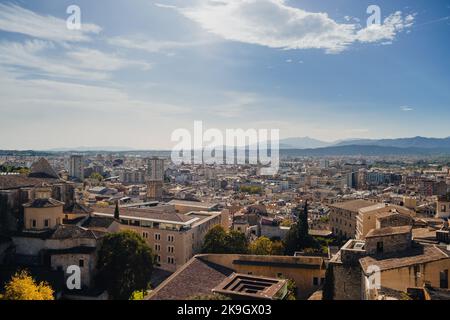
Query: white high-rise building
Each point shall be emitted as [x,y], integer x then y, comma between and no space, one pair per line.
[324,164]
[76,167]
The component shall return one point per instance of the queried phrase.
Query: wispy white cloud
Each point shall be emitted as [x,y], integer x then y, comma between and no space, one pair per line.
[32,58]
[275,24]
[142,42]
[16,19]
[37,108]
[406,108]
[38,58]
[388,30]
[34,94]
[161,5]
[97,60]
[234,104]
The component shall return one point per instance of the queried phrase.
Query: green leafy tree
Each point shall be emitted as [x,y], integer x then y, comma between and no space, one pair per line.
[266,246]
[96,176]
[217,240]
[298,237]
[292,290]
[251,189]
[286,223]
[277,248]
[261,246]
[236,242]
[125,264]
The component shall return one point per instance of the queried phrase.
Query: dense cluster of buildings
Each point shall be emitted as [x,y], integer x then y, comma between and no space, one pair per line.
[384,223]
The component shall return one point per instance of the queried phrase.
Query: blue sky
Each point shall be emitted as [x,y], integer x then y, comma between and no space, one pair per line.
[139,69]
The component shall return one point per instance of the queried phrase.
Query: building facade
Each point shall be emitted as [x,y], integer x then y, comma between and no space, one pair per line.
[343,217]
[76,167]
[174,238]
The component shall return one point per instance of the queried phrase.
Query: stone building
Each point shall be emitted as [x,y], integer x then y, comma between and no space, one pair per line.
[204,273]
[443,207]
[343,217]
[43,213]
[388,261]
[174,237]
[16,190]
[383,214]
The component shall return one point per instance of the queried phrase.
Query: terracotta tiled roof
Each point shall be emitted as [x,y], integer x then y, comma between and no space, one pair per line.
[388,231]
[43,203]
[145,213]
[410,257]
[197,277]
[98,222]
[42,168]
[71,232]
[352,205]
[19,181]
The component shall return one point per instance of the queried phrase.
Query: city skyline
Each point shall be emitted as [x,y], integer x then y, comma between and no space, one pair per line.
[132,76]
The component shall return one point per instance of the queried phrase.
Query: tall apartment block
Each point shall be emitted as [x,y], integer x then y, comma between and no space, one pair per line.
[154,178]
[76,167]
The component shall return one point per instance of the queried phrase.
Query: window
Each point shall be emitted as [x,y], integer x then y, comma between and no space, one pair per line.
[157,236]
[443,277]
[81,263]
[170,238]
[157,247]
[379,247]
[315,281]
[170,260]
[33,223]
[145,235]
[170,249]
[47,223]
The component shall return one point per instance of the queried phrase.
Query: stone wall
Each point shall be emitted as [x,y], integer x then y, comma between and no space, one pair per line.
[347,283]
[396,220]
[87,270]
[391,243]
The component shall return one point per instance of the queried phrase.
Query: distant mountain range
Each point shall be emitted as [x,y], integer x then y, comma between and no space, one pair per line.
[357,150]
[85,149]
[306,146]
[415,142]
[303,143]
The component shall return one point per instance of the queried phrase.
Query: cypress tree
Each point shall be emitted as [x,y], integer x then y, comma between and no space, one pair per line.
[116,211]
